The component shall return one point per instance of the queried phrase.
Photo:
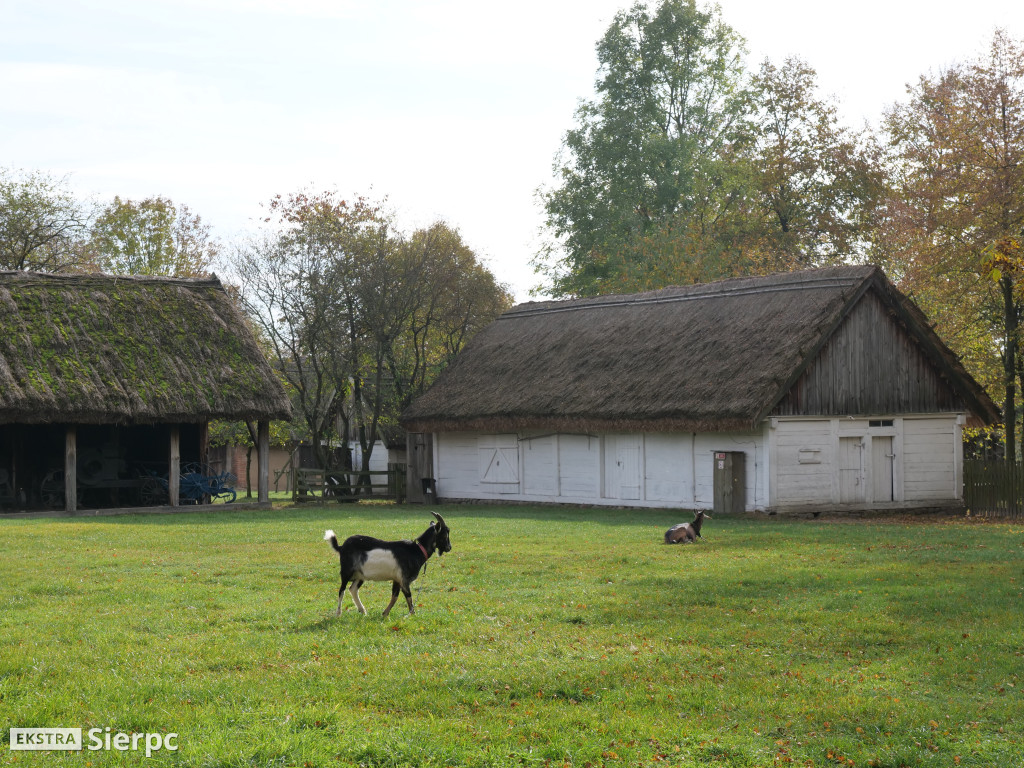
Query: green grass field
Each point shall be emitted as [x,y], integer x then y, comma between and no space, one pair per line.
[546,637]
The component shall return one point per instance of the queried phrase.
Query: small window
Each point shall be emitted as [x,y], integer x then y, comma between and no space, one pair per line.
[880,423]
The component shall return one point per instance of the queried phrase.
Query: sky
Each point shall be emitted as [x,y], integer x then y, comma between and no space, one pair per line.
[447,110]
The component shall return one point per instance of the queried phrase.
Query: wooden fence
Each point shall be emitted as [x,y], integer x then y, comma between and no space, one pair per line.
[349,485]
[994,488]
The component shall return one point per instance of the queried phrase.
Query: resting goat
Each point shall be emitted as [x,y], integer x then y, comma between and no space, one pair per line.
[684,533]
[364,558]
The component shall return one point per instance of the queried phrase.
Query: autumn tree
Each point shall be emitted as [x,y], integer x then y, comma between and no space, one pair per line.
[41,222]
[287,286]
[361,317]
[815,185]
[953,228]
[152,237]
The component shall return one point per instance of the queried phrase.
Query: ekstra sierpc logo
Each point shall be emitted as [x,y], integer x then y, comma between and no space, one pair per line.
[70,739]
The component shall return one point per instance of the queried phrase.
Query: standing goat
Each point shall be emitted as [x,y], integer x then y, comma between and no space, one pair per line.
[684,533]
[364,558]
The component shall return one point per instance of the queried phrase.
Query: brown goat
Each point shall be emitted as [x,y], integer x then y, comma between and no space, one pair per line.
[684,533]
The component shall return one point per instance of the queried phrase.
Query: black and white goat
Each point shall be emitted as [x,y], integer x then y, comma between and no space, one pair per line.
[684,533]
[364,558]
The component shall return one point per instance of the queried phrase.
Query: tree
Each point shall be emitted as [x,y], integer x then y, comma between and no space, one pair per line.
[653,147]
[288,287]
[41,223]
[360,318]
[953,228]
[816,184]
[152,237]
[449,296]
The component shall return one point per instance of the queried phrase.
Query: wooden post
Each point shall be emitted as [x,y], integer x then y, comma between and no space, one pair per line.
[71,468]
[204,456]
[174,470]
[263,459]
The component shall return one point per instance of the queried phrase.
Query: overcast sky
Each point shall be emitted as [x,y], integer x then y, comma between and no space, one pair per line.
[452,109]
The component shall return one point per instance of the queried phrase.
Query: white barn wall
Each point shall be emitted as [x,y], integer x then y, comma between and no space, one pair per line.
[929,456]
[810,460]
[579,467]
[803,454]
[629,469]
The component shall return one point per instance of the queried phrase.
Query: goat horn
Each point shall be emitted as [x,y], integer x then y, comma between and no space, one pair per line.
[439,519]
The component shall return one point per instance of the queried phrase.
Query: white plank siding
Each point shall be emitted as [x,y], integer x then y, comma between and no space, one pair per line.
[456,465]
[629,469]
[579,466]
[805,459]
[793,463]
[668,468]
[930,458]
[540,465]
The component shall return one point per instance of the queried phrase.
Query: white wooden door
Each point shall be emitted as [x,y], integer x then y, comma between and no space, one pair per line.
[851,471]
[882,457]
[498,457]
[627,457]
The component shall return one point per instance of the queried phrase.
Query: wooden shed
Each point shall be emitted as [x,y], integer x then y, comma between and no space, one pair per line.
[108,384]
[817,389]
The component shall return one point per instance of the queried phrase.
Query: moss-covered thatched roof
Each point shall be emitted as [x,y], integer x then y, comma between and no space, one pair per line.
[710,357]
[96,349]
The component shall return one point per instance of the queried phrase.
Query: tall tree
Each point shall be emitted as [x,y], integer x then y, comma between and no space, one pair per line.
[288,287]
[952,231]
[816,184]
[652,147]
[152,237]
[41,223]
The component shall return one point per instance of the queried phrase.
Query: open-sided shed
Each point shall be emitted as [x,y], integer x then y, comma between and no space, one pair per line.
[108,384]
[810,389]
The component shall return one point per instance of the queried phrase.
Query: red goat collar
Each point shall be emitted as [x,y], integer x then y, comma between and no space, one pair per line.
[423,550]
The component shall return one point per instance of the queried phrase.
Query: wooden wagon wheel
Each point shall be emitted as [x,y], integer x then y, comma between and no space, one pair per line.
[51,490]
[153,492]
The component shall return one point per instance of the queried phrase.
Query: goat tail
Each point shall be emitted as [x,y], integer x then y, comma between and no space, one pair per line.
[329,536]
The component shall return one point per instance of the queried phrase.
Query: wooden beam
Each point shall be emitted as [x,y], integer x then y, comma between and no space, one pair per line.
[263,460]
[174,468]
[71,468]
[204,444]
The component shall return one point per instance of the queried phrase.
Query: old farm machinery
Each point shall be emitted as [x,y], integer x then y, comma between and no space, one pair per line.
[107,480]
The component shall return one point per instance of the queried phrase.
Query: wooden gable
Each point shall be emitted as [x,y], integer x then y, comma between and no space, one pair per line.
[871,365]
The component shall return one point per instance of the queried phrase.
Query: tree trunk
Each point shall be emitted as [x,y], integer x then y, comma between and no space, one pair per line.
[248,472]
[1010,326]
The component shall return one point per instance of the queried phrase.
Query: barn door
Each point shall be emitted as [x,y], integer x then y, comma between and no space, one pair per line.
[852,485]
[627,457]
[499,463]
[882,457]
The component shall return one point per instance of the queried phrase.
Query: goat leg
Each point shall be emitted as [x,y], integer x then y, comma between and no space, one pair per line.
[395,589]
[354,591]
[341,593]
[408,599]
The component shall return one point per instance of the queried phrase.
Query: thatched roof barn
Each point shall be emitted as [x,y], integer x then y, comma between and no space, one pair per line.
[96,349]
[713,357]
[717,358]
[91,350]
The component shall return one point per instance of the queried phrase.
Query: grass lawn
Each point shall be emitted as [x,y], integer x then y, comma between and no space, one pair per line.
[546,637]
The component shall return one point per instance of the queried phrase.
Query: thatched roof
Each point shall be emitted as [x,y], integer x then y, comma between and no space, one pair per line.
[96,349]
[710,357]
